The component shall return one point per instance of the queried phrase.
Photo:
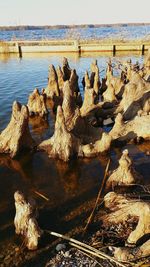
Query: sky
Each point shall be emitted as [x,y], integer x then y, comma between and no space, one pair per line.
[54,12]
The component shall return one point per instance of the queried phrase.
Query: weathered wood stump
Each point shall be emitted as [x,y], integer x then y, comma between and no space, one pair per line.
[137,128]
[25,220]
[16,136]
[122,208]
[124,174]
[52,89]
[63,144]
[37,104]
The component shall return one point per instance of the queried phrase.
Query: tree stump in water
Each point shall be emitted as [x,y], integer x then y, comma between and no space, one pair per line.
[25,220]
[16,136]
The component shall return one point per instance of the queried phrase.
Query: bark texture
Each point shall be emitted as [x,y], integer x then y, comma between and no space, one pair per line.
[16,136]
[25,220]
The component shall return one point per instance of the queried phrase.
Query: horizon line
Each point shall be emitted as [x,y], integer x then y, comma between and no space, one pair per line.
[77,25]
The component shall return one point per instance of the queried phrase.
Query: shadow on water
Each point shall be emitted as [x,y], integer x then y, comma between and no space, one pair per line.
[69,187]
[66,185]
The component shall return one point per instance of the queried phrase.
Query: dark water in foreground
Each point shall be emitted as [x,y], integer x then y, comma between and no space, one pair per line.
[71,188]
[120,31]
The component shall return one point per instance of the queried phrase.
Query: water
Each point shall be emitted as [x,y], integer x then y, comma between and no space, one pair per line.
[18,77]
[121,32]
[71,188]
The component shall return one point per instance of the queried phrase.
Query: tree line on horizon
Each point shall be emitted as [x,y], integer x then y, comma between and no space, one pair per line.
[47,27]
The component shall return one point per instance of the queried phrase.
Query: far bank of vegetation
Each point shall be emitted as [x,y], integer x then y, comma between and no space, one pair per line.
[31,27]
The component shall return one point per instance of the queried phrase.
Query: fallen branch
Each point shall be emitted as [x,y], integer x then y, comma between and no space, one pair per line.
[84,246]
[98,197]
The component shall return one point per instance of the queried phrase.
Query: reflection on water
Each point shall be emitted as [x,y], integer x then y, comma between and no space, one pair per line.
[40,128]
[66,185]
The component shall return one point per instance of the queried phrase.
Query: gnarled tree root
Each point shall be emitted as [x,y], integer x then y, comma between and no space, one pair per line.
[122,209]
[137,128]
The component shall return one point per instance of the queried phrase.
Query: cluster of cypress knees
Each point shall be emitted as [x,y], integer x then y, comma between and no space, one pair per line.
[122,101]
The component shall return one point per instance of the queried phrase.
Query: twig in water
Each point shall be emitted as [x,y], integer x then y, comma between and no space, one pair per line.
[41,195]
[102,70]
[98,197]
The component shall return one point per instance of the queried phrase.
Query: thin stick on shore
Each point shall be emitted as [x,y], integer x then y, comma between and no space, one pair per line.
[98,197]
[86,248]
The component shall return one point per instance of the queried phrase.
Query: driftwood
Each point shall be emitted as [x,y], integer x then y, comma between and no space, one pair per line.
[124,174]
[25,220]
[16,136]
[123,208]
[37,104]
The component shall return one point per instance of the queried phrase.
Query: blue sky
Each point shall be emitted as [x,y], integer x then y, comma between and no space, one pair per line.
[51,12]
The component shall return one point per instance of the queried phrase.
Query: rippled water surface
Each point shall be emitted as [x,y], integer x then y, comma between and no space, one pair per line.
[126,31]
[18,77]
[68,186]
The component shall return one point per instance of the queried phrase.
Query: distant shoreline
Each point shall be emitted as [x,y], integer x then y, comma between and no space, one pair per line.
[48,27]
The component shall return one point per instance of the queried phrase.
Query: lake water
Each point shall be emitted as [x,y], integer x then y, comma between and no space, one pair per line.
[69,187]
[19,77]
[123,32]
